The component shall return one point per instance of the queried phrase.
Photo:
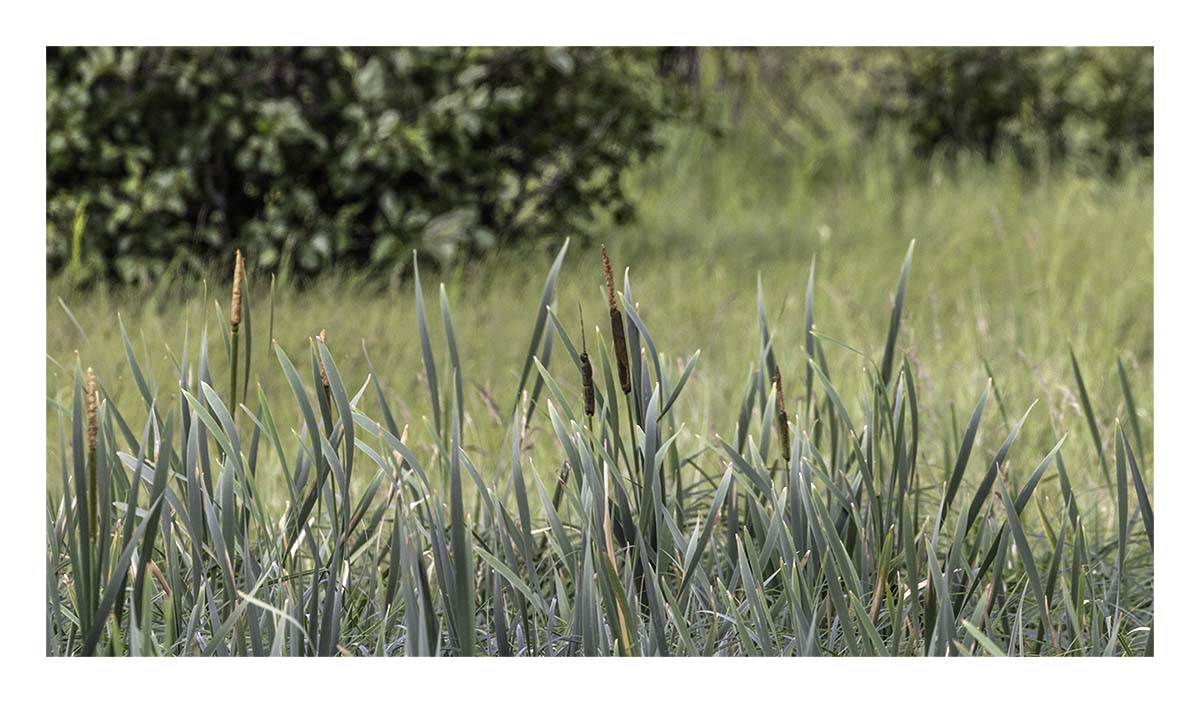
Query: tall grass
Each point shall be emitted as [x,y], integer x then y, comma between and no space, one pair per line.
[1013,269]
[816,524]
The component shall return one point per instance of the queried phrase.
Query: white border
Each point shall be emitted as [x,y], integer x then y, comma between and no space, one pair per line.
[617,22]
[645,22]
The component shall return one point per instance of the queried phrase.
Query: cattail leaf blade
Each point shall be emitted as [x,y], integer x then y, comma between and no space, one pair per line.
[964,451]
[889,349]
[427,349]
[1143,497]
[539,323]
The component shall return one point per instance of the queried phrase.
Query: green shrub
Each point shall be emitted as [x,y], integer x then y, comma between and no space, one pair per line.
[1092,105]
[312,157]
[309,156]
[1074,102]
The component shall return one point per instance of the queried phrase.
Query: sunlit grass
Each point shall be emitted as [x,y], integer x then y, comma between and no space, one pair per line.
[326,517]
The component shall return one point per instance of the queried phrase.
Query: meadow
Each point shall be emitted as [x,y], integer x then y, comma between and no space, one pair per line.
[917,506]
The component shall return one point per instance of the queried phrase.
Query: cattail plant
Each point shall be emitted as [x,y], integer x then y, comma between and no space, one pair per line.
[93,426]
[93,429]
[571,544]
[781,416]
[618,326]
[585,370]
[235,320]
[321,366]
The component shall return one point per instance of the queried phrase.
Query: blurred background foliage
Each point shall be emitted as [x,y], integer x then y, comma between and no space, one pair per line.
[160,160]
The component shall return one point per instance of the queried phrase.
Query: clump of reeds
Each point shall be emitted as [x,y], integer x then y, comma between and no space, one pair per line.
[618,326]
[741,558]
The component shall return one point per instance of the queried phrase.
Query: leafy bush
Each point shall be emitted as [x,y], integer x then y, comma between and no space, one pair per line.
[1091,105]
[310,157]
[815,527]
[307,156]
[1073,102]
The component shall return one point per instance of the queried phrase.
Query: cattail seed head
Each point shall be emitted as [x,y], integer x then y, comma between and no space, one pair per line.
[589,389]
[585,370]
[93,425]
[235,307]
[781,413]
[321,362]
[608,278]
[620,349]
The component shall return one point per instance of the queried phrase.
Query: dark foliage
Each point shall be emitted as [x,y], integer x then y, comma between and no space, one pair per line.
[308,156]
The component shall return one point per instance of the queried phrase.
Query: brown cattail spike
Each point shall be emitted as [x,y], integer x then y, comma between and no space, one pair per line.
[618,326]
[585,370]
[608,279]
[235,308]
[93,425]
[321,361]
[782,414]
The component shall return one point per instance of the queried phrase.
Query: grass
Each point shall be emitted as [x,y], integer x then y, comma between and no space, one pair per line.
[915,511]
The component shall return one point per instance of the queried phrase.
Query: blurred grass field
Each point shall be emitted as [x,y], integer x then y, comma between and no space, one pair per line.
[1011,270]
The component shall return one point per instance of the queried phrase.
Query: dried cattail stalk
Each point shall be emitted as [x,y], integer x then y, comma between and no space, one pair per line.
[93,425]
[618,326]
[235,308]
[781,413]
[585,369]
[321,362]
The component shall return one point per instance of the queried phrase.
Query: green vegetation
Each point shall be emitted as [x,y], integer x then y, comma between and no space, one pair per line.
[436,533]
[310,159]
[1082,103]
[918,507]
[840,541]
[1012,272]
